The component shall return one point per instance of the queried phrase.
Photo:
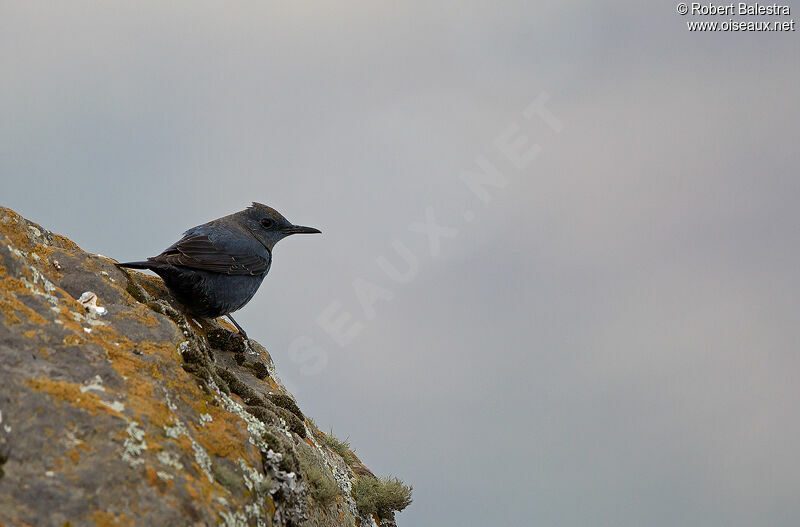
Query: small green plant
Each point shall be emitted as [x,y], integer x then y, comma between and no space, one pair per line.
[381,496]
[341,447]
[323,487]
[321,483]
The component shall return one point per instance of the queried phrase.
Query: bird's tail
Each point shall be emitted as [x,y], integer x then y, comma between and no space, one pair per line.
[136,265]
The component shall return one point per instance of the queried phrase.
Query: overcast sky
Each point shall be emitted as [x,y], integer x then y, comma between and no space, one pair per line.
[606,335]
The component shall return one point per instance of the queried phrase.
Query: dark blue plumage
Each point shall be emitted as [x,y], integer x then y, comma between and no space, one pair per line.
[216,268]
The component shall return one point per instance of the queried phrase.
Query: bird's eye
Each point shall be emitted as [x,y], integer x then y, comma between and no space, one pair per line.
[267,223]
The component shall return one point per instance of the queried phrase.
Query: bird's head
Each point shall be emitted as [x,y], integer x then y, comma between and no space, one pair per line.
[269,226]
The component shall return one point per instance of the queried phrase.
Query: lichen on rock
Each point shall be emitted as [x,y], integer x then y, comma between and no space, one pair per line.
[116,409]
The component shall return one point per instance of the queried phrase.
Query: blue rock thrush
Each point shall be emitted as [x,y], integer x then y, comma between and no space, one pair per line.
[217,267]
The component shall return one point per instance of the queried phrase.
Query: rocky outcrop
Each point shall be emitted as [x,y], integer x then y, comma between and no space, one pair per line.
[117,410]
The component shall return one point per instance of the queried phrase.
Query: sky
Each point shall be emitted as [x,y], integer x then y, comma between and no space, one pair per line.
[557,282]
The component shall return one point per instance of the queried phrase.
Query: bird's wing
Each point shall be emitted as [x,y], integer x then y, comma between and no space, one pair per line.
[198,251]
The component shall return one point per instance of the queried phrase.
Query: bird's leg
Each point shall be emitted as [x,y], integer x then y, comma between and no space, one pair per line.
[238,327]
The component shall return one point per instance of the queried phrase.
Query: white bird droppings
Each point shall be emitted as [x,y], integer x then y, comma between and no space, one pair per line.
[89,301]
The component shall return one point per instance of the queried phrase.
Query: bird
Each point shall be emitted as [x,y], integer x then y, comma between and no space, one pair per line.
[217,267]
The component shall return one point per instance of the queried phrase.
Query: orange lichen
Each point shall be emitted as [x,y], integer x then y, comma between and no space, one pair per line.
[11,288]
[192,490]
[66,243]
[140,314]
[152,477]
[66,317]
[106,519]
[72,340]
[18,231]
[16,236]
[74,453]
[8,310]
[224,436]
[201,490]
[71,393]
[35,318]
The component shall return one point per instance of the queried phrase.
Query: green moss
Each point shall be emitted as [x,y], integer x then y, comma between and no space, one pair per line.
[248,395]
[294,424]
[341,447]
[199,362]
[263,409]
[192,355]
[134,289]
[263,414]
[259,369]
[381,496]
[163,307]
[222,339]
[271,415]
[193,368]
[285,401]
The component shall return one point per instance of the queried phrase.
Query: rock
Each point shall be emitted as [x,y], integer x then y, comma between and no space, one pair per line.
[117,410]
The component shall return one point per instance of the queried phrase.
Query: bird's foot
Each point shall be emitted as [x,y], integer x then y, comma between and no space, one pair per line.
[238,327]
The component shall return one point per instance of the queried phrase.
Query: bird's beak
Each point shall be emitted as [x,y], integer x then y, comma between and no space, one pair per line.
[299,229]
